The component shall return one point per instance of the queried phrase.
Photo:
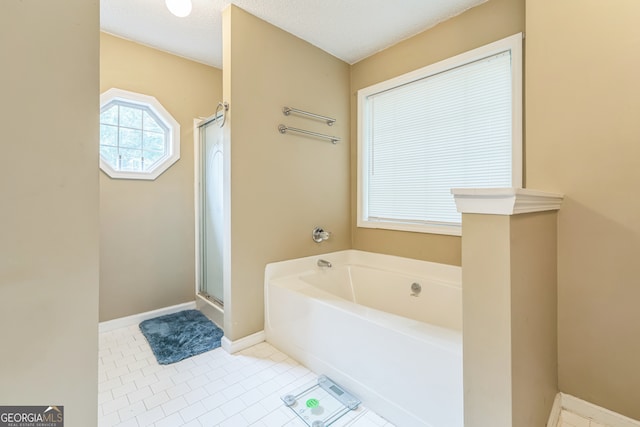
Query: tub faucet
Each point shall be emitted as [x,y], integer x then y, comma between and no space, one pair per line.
[324,263]
[319,235]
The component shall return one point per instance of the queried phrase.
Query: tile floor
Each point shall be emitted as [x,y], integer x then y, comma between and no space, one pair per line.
[569,419]
[211,389]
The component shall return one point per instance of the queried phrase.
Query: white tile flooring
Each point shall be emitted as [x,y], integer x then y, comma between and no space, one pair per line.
[569,419]
[211,389]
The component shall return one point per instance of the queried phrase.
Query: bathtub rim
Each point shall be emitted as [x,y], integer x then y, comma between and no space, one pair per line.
[451,274]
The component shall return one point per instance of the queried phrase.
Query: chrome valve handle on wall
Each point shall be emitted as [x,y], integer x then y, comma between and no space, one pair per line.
[319,235]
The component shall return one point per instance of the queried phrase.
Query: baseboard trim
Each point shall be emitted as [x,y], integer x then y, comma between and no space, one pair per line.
[246,342]
[135,319]
[588,410]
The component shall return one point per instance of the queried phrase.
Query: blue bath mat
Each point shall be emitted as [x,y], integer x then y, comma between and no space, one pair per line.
[176,336]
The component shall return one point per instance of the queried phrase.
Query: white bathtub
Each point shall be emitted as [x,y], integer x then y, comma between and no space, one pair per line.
[358,323]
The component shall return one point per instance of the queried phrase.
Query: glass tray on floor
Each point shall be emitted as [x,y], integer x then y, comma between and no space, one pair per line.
[321,403]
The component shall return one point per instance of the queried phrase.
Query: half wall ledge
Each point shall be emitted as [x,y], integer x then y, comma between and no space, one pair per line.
[504,201]
[509,305]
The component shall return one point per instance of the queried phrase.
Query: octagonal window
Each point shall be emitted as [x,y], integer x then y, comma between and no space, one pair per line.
[139,139]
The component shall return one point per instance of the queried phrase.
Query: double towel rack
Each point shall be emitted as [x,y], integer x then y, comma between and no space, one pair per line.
[285,129]
[287,110]
[330,121]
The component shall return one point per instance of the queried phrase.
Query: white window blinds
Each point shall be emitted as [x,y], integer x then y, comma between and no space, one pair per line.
[452,129]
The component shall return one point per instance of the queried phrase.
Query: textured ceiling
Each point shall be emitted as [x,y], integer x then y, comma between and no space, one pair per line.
[348,29]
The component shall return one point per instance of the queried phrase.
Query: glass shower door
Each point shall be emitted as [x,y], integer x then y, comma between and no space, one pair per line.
[211,215]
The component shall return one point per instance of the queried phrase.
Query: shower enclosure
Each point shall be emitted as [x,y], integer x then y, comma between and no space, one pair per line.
[211,239]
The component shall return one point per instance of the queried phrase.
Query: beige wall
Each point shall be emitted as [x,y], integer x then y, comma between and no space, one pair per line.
[486,308]
[476,27]
[49,215]
[281,185]
[582,130]
[534,305]
[147,250]
[509,315]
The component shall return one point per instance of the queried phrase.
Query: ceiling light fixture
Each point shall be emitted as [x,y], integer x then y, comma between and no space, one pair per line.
[179,8]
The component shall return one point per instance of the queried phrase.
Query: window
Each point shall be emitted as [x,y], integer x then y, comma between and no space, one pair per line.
[138,138]
[453,124]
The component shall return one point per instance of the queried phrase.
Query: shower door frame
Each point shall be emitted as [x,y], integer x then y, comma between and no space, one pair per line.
[218,313]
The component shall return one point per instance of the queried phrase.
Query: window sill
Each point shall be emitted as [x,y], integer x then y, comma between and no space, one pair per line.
[448,230]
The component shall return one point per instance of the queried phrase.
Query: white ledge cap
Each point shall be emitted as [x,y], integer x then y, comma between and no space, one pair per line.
[504,201]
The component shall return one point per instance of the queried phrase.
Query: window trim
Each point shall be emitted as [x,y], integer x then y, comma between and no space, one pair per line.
[512,43]
[154,105]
